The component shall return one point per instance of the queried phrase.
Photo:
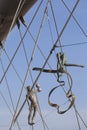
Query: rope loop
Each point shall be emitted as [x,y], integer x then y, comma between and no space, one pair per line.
[71,98]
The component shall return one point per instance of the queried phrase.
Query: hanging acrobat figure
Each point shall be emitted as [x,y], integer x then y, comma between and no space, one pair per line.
[61,64]
[32,103]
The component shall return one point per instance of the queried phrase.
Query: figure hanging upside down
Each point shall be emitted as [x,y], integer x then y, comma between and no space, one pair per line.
[32,103]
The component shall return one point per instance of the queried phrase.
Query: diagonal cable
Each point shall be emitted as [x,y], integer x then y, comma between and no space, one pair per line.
[57,40]
[75,19]
[21,41]
[9,93]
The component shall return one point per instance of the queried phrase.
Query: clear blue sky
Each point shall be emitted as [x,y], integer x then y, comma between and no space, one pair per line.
[72,34]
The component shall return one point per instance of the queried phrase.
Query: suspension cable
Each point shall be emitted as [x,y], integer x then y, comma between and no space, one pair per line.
[40,51]
[35,46]
[13,67]
[46,61]
[56,42]
[74,19]
[26,76]
[20,5]
[76,112]
[6,102]
[9,94]
[21,40]
[78,115]
[55,23]
[34,90]
[53,48]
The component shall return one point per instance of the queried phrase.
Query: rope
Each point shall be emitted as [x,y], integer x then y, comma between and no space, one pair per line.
[72,65]
[14,18]
[26,76]
[9,108]
[32,58]
[74,19]
[56,43]
[55,23]
[6,102]
[53,48]
[80,117]
[21,41]
[74,44]
[68,93]
[71,98]
[47,13]
[56,71]
[34,89]
[73,102]
[23,47]
[77,114]
[25,55]
[31,127]
[9,94]
[20,5]
[41,51]
[43,121]
[13,67]
[77,118]
[10,62]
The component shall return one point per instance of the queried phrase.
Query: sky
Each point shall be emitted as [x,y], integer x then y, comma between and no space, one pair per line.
[43,32]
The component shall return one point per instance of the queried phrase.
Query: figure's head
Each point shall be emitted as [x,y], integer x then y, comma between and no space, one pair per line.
[28,88]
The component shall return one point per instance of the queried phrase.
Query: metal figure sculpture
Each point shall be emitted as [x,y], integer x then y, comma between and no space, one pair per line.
[32,103]
[61,64]
[61,69]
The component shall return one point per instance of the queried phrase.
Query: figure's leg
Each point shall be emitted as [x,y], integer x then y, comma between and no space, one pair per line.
[34,114]
[29,116]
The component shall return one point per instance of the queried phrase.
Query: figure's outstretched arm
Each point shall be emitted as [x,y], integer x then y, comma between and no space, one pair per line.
[74,65]
[45,70]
